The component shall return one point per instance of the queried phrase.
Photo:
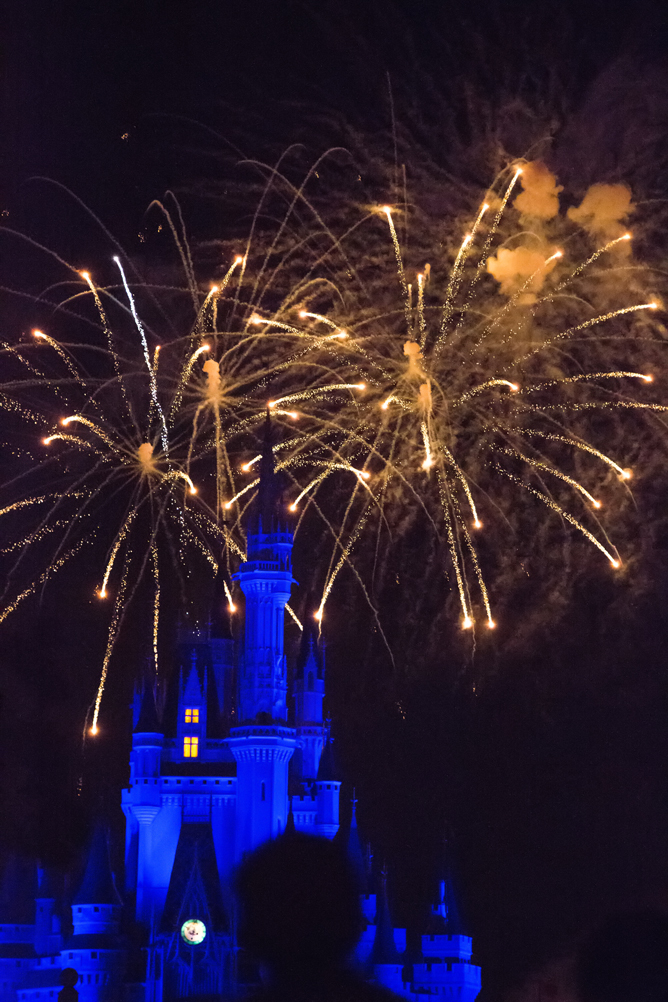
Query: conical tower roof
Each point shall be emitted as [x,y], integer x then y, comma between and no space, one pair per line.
[265,510]
[354,849]
[445,917]
[148,722]
[384,950]
[97,886]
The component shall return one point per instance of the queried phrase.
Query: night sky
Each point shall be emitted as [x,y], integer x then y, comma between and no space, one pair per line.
[546,762]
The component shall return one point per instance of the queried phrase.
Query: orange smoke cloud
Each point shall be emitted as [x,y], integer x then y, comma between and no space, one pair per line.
[540,197]
[521,266]
[414,355]
[602,210]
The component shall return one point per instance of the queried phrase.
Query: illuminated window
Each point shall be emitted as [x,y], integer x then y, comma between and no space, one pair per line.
[192,715]
[190,747]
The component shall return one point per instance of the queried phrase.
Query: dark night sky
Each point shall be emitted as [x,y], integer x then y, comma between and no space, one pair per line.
[552,779]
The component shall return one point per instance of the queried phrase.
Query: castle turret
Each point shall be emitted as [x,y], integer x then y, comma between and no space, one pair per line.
[385,961]
[96,950]
[143,800]
[328,787]
[47,921]
[265,579]
[309,691]
[263,743]
[448,969]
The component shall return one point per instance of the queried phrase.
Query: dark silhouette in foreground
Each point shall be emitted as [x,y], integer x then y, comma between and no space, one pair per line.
[625,960]
[300,918]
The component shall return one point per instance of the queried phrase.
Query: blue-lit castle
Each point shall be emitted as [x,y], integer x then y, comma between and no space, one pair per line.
[232,756]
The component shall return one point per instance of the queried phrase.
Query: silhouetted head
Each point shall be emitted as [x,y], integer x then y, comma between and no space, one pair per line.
[625,960]
[299,905]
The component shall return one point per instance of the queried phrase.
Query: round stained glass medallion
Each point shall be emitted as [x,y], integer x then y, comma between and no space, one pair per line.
[193,931]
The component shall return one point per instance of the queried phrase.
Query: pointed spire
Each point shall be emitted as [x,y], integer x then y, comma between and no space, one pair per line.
[192,692]
[46,883]
[97,886]
[265,509]
[445,917]
[148,721]
[290,824]
[354,847]
[384,950]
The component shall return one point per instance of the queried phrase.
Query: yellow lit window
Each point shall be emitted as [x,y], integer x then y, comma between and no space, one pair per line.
[192,715]
[190,747]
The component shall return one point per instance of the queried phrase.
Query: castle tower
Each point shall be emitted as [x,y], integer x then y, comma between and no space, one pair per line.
[95,949]
[142,803]
[309,691]
[47,920]
[385,961]
[448,969]
[262,744]
[327,787]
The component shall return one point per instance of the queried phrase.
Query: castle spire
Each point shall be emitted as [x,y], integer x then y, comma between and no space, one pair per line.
[384,950]
[97,886]
[265,511]
[148,722]
[262,744]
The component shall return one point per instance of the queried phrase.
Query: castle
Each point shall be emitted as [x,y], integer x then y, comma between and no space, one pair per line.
[224,767]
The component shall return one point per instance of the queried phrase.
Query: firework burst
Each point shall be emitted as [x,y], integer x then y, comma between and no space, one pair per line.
[447,391]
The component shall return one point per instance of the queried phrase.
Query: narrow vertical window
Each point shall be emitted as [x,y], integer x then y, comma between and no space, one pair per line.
[190,747]
[263,791]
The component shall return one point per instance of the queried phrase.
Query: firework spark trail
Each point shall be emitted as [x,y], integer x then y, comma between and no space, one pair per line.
[583,377]
[110,338]
[456,274]
[400,267]
[471,548]
[71,368]
[574,443]
[590,260]
[443,335]
[588,323]
[42,579]
[615,561]
[454,553]
[484,386]
[294,616]
[464,482]
[156,606]
[100,432]
[422,325]
[228,595]
[516,297]
[116,619]
[423,406]
[102,593]
[314,392]
[556,473]
[154,388]
[182,247]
